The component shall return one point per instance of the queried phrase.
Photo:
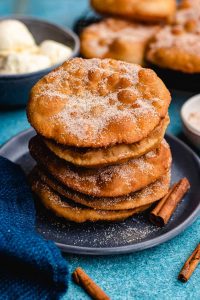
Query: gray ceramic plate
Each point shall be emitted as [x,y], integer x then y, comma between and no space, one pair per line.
[134,234]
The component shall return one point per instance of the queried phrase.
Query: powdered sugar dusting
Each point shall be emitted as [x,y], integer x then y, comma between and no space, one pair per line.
[155,190]
[185,33]
[96,98]
[124,172]
[77,114]
[189,13]
[51,93]
[100,37]
[186,41]
[144,166]
[104,181]
[151,154]
[131,231]
[112,28]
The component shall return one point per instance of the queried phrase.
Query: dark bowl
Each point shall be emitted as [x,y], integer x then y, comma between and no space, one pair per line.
[15,88]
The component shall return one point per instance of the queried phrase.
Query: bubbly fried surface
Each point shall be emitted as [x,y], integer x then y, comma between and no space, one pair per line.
[109,181]
[97,103]
[147,195]
[143,10]
[177,47]
[76,213]
[118,39]
[98,157]
[188,11]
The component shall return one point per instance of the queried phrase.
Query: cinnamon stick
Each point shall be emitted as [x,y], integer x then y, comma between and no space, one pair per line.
[163,211]
[82,279]
[190,265]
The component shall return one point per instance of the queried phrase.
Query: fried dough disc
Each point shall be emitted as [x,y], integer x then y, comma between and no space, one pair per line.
[99,157]
[118,39]
[141,10]
[79,214]
[97,103]
[188,13]
[177,47]
[109,181]
[147,195]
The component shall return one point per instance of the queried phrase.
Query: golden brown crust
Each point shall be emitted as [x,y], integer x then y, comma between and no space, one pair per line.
[188,15]
[177,47]
[110,181]
[63,208]
[98,157]
[147,195]
[117,39]
[178,52]
[97,103]
[142,10]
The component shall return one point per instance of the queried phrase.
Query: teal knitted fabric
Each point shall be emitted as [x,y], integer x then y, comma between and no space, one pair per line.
[30,267]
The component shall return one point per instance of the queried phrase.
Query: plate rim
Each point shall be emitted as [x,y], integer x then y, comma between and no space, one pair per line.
[128,248]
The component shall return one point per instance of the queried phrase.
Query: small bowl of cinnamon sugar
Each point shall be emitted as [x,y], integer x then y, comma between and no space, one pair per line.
[190,115]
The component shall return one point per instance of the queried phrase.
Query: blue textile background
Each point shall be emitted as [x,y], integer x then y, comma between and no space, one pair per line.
[150,274]
[31,267]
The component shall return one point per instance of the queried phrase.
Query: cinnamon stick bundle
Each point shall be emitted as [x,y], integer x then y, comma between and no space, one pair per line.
[190,265]
[161,214]
[82,279]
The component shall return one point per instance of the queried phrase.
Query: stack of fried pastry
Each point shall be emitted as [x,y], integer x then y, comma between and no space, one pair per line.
[128,30]
[99,146]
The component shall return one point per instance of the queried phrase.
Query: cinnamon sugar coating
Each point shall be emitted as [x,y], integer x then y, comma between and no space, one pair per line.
[142,10]
[76,213]
[177,47]
[188,16]
[109,181]
[188,10]
[177,51]
[118,39]
[98,157]
[97,103]
[147,195]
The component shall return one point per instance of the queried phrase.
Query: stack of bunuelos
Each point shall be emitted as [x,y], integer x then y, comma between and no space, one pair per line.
[99,146]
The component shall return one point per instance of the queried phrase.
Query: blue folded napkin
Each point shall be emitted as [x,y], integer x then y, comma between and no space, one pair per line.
[30,267]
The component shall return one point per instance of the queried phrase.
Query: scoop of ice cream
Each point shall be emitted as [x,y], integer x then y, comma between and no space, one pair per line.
[20,54]
[57,52]
[23,62]
[14,36]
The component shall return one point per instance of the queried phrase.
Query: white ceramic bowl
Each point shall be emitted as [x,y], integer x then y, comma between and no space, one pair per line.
[192,105]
